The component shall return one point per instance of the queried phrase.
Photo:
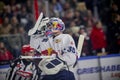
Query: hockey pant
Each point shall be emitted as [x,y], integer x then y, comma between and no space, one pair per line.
[62,75]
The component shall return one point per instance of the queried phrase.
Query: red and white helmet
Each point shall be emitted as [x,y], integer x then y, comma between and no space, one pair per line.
[26,48]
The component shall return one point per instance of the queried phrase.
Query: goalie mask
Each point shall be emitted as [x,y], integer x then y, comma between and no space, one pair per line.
[54,25]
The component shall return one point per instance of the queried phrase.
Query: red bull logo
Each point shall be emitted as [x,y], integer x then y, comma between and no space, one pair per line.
[48,52]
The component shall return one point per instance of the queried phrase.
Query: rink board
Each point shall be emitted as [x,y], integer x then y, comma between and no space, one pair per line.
[3,71]
[90,68]
[99,68]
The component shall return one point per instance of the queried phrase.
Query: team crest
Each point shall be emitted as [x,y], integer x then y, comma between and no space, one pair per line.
[57,40]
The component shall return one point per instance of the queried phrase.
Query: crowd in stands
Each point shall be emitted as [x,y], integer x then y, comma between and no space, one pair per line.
[97,20]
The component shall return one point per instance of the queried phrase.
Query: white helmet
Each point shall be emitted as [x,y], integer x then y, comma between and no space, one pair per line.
[55,24]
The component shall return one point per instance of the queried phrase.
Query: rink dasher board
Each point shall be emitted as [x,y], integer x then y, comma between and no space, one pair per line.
[90,68]
[99,68]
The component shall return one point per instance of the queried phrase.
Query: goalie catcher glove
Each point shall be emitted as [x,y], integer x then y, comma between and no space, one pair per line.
[51,66]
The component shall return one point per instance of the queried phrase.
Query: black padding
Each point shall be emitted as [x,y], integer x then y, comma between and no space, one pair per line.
[55,62]
[49,65]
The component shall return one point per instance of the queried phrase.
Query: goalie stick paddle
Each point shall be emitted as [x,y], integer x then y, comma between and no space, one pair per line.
[33,30]
[80,45]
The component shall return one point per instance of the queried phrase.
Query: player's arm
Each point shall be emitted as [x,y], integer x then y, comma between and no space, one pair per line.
[69,51]
[36,73]
[11,71]
[37,32]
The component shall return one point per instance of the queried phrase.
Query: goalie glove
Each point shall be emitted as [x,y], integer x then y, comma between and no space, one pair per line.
[43,23]
[51,66]
[34,29]
[39,26]
[42,27]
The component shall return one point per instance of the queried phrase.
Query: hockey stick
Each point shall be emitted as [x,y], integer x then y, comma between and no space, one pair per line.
[33,30]
[80,45]
[35,57]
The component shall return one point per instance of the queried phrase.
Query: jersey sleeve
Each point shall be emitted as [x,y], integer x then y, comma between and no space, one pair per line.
[69,50]
[34,41]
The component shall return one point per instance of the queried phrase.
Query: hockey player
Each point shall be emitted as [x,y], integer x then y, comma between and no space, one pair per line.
[24,69]
[58,45]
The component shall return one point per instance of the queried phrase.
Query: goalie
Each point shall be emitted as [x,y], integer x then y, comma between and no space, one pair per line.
[49,40]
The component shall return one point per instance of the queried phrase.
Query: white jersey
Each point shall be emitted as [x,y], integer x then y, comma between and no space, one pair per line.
[41,44]
[62,45]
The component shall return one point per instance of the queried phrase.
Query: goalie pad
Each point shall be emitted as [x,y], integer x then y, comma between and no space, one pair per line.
[51,66]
